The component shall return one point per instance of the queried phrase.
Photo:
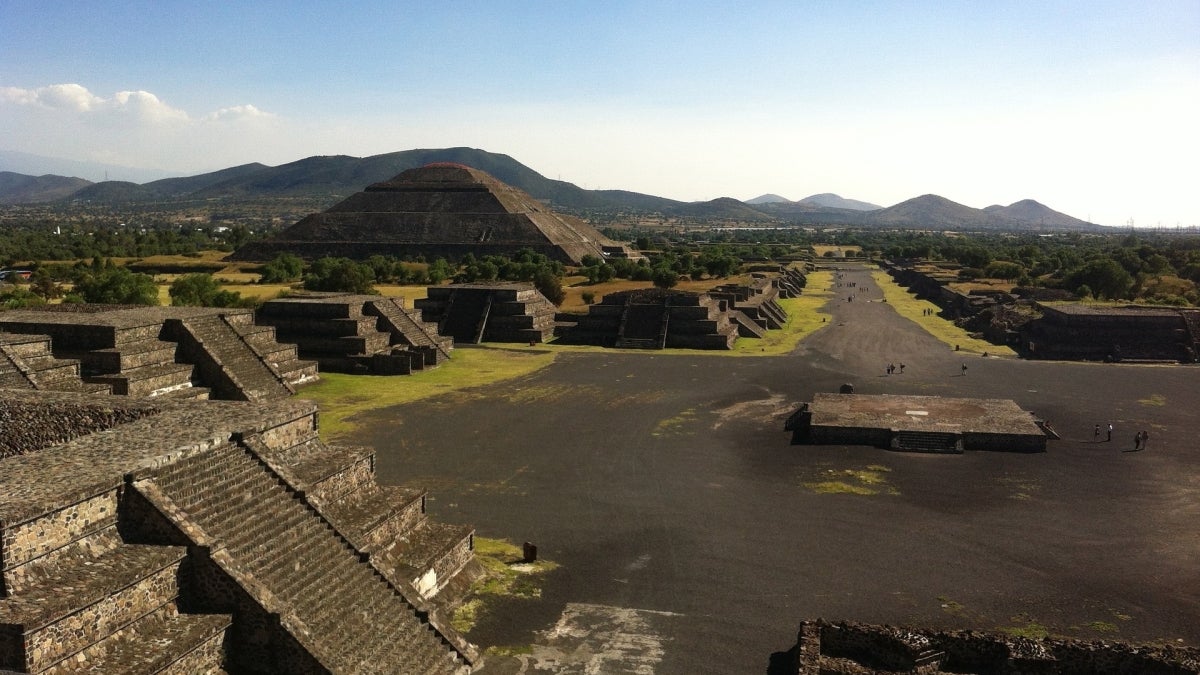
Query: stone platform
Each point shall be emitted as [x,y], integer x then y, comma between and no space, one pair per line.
[917,423]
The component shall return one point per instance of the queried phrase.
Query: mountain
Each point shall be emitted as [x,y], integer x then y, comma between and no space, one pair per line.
[37,165]
[829,200]
[327,179]
[18,188]
[766,199]
[929,212]
[1035,213]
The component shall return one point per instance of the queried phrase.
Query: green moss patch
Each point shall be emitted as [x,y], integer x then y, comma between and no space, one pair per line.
[506,575]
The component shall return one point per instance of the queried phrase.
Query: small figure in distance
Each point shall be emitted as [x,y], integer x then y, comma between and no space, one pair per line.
[1110,430]
[1096,434]
[901,368]
[964,371]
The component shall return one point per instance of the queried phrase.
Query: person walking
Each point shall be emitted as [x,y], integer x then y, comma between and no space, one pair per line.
[964,374]
[1145,439]
[1096,434]
[1110,430]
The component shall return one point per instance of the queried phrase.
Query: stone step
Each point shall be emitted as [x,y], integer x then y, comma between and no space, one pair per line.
[427,556]
[76,606]
[331,472]
[162,642]
[372,518]
[147,380]
[128,356]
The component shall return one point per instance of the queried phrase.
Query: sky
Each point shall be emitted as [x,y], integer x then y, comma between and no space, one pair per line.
[1089,107]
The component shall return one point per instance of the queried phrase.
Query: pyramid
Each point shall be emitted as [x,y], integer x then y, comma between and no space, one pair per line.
[439,210]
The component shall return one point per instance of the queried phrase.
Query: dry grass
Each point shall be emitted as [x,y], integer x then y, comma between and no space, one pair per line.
[911,308]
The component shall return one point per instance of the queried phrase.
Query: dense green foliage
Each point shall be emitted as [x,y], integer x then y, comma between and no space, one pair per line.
[202,290]
[110,284]
[340,274]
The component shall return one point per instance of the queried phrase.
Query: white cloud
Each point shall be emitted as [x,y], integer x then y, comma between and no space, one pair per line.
[133,128]
[238,112]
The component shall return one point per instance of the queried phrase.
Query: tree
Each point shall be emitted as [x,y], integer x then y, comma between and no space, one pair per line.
[664,277]
[284,268]
[550,285]
[201,290]
[117,286]
[340,274]
[1104,277]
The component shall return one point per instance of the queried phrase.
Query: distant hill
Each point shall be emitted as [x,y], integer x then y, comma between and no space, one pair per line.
[766,199]
[1035,213]
[329,179]
[18,188]
[829,200]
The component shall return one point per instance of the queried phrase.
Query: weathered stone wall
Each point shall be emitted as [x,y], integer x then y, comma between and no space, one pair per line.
[29,426]
[26,541]
[846,647]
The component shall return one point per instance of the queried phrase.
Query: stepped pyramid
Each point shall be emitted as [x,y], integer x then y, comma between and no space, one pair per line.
[439,210]
[168,536]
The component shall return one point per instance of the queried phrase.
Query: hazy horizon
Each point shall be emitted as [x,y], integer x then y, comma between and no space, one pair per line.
[1084,107]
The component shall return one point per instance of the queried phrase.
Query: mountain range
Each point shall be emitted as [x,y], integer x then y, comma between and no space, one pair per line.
[334,177]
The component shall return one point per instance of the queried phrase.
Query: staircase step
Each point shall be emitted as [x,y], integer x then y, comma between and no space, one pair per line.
[164,641]
[147,380]
[373,518]
[91,601]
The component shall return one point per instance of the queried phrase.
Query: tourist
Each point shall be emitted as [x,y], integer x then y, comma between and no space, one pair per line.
[1145,439]
[1110,430]
[964,374]
[1137,441]
[1096,434]
[901,368]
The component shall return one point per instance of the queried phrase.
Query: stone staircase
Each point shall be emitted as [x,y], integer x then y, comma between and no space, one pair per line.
[95,604]
[282,358]
[461,317]
[643,327]
[26,362]
[927,441]
[225,361]
[406,329]
[332,601]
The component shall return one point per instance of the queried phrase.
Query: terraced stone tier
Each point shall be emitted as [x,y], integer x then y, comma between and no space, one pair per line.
[162,642]
[74,607]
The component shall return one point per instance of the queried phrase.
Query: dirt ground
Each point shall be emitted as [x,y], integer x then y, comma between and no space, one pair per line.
[691,540]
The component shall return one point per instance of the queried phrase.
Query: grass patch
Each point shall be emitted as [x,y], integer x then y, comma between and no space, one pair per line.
[674,425]
[1102,626]
[1154,399]
[501,651]
[951,606]
[342,397]
[1027,628]
[865,482]
[945,331]
[505,575]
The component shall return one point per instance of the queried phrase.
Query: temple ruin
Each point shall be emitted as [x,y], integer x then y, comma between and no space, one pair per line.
[917,423]
[474,313]
[159,535]
[656,319]
[828,648]
[356,333]
[439,210]
[1074,331]
[178,352]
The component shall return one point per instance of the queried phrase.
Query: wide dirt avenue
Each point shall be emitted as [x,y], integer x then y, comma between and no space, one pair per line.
[693,537]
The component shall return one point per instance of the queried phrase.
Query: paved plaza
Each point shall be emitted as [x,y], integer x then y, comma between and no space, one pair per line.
[693,537]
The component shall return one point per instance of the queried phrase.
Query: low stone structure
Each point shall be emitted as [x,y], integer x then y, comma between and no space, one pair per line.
[828,648]
[753,306]
[188,352]
[917,423]
[158,535]
[656,319]
[474,313]
[1093,332]
[356,333]
[440,210]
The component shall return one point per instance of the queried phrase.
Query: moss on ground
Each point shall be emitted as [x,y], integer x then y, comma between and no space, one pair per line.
[506,575]
[869,481]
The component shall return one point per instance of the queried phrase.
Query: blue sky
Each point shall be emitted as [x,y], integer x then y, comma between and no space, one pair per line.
[1087,107]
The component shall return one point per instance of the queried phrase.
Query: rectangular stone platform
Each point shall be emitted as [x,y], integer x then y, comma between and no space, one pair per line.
[918,423]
